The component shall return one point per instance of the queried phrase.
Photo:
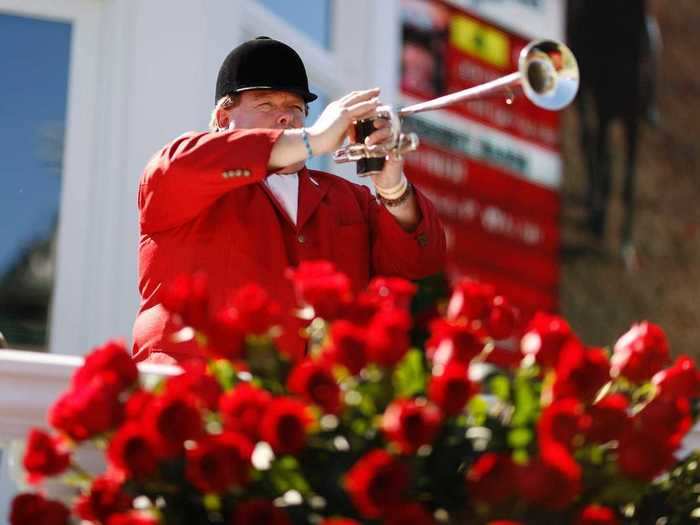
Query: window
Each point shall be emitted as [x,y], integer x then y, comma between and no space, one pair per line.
[34,58]
[312,17]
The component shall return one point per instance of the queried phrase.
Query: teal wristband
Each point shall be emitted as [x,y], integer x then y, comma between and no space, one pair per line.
[305,138]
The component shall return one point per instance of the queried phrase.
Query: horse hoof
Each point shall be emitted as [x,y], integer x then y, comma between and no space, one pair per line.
[630,257]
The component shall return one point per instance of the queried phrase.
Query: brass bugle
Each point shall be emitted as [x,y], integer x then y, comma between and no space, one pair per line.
[547,74]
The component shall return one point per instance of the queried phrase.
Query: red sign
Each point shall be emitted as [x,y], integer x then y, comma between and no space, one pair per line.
[491,168]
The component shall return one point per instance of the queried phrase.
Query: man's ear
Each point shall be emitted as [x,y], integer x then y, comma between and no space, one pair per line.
[223,119]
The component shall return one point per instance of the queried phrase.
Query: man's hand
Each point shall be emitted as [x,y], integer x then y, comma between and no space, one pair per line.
[331,128]
[390,175]
[327,133]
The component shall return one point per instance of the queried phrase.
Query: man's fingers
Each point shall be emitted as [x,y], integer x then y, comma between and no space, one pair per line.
[354,97]
[378,137]
[381,123]
[363,109]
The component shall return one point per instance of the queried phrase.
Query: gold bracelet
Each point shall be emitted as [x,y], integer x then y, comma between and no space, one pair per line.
[399,200]
[396,194]
[394,191]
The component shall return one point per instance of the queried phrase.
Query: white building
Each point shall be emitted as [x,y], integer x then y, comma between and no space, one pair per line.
[138,73]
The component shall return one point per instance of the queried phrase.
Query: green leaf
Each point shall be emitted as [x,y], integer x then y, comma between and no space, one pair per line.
[478,409]
[526,402]
[520,438]
[409,376]
[500,387]
[224,372]
[212,502]
[285,474]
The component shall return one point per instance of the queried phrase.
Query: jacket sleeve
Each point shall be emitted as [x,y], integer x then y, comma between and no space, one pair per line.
[411,255]
[191,173]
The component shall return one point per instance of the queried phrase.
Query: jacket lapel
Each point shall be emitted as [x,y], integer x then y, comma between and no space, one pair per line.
[312,188]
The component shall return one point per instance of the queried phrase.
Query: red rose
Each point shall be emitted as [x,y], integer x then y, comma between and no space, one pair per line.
[502,319]
[217,463]
[451,389]
[666,418]
[581,372]
[320,286]
[133,451]
[394,291]
[225,338]
[33,509]
[505,358]
[597,515]
[387,337]
[132,518]
[606,420]
[491,479]
[198,382]
[136,404]
[257,512]
[187,297]
[363,308]
[560,422]
[349,346]
[470,300]
[553,480]
[104,498]
[285,425]
[315,383]
[112,361]
[45,455]
[91,409]
[680,380]
[172,420]
[242,409]
[376,482]
[257,312]
[452,341]
[546,338]
[643,456]
[640,353]
[410,424]
[409,514]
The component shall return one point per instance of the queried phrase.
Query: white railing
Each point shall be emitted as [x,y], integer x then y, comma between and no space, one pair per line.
[29,383]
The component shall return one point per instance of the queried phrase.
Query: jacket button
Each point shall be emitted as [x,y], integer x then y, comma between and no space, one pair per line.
[422,240]
[246,173]
[301,239]
[236,173]
[226,174]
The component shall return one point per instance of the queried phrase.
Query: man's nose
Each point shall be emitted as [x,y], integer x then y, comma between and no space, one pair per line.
[285,117]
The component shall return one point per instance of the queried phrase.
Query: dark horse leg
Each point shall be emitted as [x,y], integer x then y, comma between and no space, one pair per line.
[587,137]
[600,175]
[629,188]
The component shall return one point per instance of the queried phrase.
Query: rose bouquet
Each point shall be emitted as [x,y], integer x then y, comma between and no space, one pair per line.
[490,419]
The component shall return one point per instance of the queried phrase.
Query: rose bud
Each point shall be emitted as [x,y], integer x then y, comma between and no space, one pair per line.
[410,424]
[680,380]
[640,353]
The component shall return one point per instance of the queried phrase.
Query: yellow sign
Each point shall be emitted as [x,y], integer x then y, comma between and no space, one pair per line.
[482,41]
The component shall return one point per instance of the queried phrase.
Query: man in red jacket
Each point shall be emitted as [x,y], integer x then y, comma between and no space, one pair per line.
[238,203]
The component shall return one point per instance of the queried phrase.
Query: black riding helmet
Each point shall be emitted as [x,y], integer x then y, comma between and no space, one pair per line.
[263,63]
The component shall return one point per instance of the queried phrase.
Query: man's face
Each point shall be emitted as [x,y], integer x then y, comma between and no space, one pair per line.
[270,109]
[266,108]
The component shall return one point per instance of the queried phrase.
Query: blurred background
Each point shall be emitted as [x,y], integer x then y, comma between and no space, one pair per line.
[590,212]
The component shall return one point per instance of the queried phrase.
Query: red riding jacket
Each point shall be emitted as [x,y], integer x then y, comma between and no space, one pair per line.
[203,206]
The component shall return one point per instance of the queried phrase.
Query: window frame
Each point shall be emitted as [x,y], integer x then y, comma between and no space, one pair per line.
[66,315]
